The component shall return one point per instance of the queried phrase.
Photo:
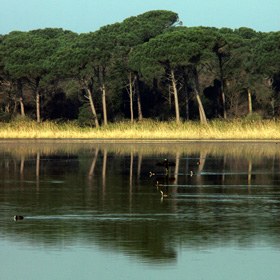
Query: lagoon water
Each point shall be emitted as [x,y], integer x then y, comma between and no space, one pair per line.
[92,211]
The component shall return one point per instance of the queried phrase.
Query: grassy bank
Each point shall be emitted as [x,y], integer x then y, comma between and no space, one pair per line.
[215,130]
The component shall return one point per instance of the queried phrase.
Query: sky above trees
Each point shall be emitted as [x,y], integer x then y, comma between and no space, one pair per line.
[89,15]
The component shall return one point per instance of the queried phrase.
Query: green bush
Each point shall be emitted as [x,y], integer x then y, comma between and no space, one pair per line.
[85,117]
[4,117]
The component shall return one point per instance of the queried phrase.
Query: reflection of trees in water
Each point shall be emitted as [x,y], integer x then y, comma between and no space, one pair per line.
[113,179]
[232,149]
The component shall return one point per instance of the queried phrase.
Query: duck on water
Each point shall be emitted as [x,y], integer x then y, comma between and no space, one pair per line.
[18,218]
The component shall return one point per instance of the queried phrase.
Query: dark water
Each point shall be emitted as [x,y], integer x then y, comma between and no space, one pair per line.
[92,211]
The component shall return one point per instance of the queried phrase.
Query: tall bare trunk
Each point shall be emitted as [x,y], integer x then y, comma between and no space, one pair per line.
[104,106]
[131,93]
[187,106]
[224,103]
[22,111]
[250,107]
[139,105]
[35,87]
[222,86]
[131,104]
[202,115]
[92,107]
[38,114]
[175,93]
[20,99]
[15,106]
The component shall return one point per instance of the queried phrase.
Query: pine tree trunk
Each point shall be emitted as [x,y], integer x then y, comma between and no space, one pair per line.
[175,92]
[20,99]
[15,106]
[187,107]
[22,111]
[250,107]
[139,105]
[224,103]
[38,114]
[92,107]
[104,104]
[222,87]
[130,93]
[202,115]
[7,108]
[35,87]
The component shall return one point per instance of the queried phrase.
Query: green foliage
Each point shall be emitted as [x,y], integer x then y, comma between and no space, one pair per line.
[267,54]
[148,46]
[140,29]
[254,117]
[178,47]
[4,116]
[85,116]
[246,33]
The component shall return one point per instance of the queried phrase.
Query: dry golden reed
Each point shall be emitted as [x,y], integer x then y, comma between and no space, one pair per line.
[214,130]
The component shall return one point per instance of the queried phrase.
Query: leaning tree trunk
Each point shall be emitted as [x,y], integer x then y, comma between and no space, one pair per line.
[202,115]
[104,106]
[175,93]
[92,107]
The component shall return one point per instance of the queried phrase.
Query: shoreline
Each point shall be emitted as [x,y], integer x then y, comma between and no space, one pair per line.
[135,140]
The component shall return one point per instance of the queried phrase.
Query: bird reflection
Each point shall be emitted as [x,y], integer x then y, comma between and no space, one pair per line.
[163,194]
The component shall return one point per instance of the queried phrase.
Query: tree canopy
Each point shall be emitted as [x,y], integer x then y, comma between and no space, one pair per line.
[148,62]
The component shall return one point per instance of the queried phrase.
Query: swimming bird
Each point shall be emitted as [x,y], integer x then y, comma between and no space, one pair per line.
[18,217]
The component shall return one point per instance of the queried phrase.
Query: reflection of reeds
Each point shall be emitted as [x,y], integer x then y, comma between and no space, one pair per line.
[27,148]
[215,130]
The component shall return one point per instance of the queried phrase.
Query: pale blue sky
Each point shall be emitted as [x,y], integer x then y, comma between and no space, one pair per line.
[89,15]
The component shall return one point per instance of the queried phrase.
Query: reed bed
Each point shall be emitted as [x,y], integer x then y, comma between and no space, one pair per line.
[214,130]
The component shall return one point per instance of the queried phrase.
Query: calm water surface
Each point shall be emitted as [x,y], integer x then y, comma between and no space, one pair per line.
[93,211]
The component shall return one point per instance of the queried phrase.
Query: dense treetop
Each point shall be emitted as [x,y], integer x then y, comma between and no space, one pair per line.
[148,66]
